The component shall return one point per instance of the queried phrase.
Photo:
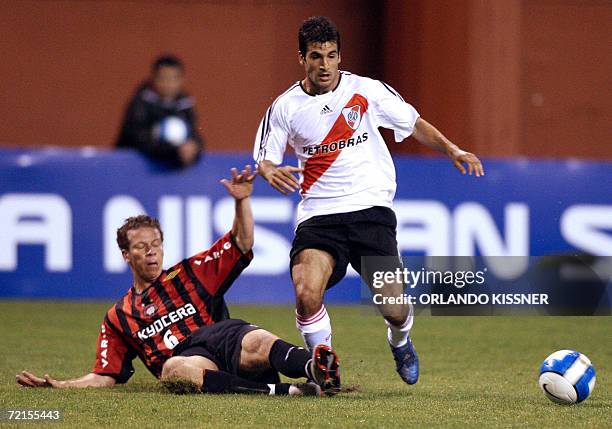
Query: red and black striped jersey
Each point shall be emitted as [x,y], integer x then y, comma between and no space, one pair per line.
[184,298]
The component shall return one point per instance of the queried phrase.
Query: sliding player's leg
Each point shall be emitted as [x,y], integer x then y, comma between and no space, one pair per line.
[209,360]
[235,356]
[192,374]
[261,350]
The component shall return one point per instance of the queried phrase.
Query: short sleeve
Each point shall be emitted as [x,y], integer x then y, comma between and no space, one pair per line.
[218,267]
[393,112]
[113,357]
[272,136]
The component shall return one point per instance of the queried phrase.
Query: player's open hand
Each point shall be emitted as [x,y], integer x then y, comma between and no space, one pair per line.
[27,379]
[241,185]
[280,178]
[474,166]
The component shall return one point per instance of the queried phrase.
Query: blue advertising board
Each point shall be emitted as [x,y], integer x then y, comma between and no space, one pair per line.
[60,208]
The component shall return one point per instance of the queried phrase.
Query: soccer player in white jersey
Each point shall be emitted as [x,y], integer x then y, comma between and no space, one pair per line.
[346,180]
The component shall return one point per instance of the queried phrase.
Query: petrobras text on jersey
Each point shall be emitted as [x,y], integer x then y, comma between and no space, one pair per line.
[335,145]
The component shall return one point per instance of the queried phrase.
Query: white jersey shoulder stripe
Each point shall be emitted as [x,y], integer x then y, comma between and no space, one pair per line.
[392,91]
[271,108]
[265,128]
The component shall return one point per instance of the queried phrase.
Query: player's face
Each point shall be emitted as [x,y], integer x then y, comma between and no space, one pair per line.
[321,66]
[168,81]
[145,254]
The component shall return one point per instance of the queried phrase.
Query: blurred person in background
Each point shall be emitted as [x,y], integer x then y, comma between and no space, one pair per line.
[160,120]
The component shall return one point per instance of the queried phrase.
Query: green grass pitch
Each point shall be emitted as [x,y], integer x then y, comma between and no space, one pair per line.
[476,372]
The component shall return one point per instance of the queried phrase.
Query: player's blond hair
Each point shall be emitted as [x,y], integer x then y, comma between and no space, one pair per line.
[136,222]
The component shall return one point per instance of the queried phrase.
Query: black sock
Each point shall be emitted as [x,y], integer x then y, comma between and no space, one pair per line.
[289,360]
[281,388]
[224,382]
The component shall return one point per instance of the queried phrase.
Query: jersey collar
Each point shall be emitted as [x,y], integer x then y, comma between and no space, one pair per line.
[318,95]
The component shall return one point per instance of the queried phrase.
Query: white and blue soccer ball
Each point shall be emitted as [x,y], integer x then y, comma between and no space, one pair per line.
[172,129]
[567,377]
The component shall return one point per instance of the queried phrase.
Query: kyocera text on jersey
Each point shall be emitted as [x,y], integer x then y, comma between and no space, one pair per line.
[167,320]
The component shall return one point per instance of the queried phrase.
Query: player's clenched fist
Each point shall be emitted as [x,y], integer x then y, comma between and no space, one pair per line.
[280,178]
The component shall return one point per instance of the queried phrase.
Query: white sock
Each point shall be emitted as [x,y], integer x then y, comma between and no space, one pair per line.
[398,335]
[272,389]
[315,329]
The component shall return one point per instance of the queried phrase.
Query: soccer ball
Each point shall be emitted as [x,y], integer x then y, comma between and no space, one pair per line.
[567,377]
[171,129]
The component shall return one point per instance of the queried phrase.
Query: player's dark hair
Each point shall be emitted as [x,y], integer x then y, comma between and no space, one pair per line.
[167,61]
[136,222]
[317,29]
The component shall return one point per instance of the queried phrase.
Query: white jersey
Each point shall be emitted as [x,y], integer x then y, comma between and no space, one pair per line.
[347,166]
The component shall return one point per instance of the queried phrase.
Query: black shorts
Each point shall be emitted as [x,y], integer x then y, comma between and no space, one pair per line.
[220,342]
[348,237]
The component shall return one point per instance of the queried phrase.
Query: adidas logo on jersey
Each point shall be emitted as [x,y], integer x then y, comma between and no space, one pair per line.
[325,110]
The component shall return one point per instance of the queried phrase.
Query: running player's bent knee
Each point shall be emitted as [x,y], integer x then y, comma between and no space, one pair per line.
[308,300]
[396,315]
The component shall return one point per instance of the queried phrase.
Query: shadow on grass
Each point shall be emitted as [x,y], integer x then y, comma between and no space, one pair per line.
[180,387]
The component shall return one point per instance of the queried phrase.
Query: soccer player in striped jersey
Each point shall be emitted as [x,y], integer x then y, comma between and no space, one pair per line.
[346,180]
[176,320]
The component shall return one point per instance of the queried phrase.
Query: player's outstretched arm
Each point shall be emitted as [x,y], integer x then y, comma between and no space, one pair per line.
[280,178]
[27,379]
[240,187]
[428,135]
